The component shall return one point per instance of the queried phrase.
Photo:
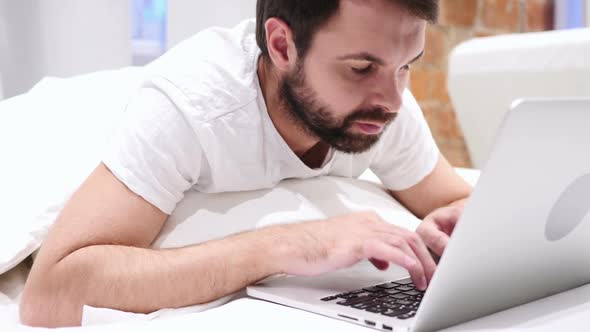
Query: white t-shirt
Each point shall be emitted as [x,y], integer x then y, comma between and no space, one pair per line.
[201,123]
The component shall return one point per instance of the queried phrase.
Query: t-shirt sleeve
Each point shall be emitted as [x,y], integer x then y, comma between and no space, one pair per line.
[154,152]
[408,152]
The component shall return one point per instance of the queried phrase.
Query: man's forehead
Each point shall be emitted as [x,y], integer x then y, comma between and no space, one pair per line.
[384,16]
[378,27]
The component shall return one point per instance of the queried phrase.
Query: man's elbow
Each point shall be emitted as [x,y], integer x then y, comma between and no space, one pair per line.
[31,311]
[41,306]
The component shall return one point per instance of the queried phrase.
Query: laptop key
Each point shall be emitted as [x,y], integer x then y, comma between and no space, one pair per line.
[408,315]
[389,299]
[400,296]
[391,306]
[395,313]
[404,282]
[354,292]
[404,288]
[347,296]
[329,298]
[365,305]
[391,291]
[373,289]
[403,302]
[388,285]
[384,310]
[355,300]
[412,292]
[377,309]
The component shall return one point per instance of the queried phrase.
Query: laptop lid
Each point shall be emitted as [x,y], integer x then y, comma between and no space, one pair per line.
[524,232]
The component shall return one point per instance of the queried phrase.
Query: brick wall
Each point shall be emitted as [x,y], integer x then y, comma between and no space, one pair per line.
[461,20]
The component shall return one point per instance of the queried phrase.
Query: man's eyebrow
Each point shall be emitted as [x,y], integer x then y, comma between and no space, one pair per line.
[417,58]
[364,56]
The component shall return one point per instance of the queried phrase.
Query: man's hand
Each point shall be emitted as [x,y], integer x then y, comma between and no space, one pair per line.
[437,227]
[328,245]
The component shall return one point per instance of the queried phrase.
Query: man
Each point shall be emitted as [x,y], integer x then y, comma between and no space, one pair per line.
[310,88]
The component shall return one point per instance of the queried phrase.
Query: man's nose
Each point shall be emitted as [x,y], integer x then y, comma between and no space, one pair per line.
[389,93]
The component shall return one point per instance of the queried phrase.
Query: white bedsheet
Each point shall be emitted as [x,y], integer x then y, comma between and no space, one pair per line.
[568,311]
[11,287]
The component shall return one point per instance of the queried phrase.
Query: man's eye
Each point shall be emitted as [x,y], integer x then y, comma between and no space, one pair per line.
[406,68]
[363,70]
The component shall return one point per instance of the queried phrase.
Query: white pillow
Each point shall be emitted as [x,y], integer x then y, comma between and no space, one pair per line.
[201,217]
[50,141]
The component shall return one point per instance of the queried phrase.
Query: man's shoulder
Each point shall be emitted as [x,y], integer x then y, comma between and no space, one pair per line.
[213,72]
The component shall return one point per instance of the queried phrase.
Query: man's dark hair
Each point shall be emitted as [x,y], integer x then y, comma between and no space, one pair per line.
[305,17]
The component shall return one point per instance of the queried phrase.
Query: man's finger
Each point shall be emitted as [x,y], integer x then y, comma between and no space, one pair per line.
[380,250]
[417,271]
[379,264]
[421,251]
[446,219]
[418,248]
[434,238]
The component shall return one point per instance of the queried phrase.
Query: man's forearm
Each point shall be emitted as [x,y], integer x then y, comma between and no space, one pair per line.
[144,280]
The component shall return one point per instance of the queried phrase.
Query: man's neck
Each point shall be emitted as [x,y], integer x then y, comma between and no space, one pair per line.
[299,142]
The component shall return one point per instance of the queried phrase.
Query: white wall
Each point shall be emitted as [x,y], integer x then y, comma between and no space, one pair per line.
[2,46]
[81,36]
[587,4]
[561,14]
[61,38]
[187,17]
[19,56]
[1,88]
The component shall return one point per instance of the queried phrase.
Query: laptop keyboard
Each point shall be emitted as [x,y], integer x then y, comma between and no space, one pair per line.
[393,299]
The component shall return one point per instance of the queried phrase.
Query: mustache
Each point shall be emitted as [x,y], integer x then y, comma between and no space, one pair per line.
[377,114]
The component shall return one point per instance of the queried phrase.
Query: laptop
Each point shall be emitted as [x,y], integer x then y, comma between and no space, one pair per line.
[523,236]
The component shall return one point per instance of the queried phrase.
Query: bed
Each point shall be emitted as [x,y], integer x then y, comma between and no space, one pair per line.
[32,197]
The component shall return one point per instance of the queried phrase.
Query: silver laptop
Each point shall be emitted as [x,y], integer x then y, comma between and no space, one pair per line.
[523,236]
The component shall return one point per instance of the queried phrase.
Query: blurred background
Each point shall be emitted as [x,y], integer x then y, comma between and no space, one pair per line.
[62,38]
[461,20]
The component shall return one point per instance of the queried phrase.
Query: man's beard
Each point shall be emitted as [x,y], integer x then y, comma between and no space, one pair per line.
[319,122]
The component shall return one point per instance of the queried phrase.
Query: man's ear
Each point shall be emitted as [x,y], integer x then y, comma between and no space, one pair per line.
[281,46]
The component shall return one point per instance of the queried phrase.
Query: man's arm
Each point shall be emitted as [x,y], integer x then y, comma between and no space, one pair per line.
[442,187]
[97,254]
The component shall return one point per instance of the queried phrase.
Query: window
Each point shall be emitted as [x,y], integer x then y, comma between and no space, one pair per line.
[571,14]
[148,30]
